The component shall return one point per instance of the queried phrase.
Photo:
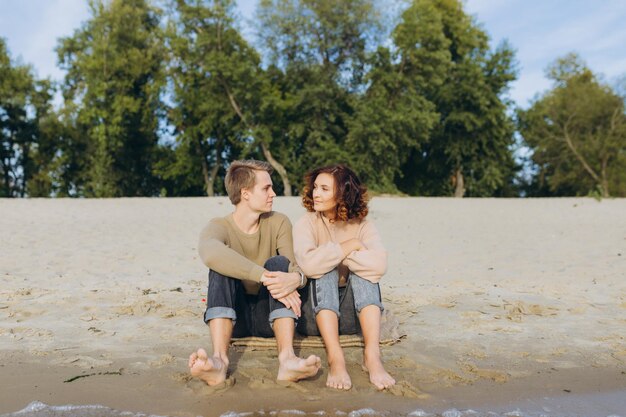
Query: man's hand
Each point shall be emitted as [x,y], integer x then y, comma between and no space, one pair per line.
[280,284]
[293,302]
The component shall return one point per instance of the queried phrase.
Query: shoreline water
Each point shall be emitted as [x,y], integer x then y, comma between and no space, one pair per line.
[506,304]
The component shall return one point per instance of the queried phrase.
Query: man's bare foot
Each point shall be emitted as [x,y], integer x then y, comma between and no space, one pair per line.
[378,376]
[210,370]
[338,377]
[293,368]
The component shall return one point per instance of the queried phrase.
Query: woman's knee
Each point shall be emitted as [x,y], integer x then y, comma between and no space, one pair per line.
[365,293]
[325,292]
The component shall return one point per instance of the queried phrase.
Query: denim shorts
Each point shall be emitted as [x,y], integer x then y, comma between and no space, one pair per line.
[347,302]
[252,315]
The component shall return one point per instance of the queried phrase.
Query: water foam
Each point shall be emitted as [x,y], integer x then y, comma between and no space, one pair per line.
[39,409]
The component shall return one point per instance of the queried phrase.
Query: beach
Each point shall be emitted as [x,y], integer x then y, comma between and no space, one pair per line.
[502,304]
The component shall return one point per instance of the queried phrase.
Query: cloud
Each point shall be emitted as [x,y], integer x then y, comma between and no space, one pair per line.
[32,29]
[543,31]
[529,85]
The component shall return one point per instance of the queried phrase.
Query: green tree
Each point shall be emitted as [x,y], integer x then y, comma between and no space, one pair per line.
[114,79]
[317,60]
[394,117]
[577,132]
[219,89]
[61,157]
[469,151]
[205,123]
[24,102]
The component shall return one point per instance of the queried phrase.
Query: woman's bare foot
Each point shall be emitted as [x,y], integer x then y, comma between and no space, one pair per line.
[378,376]
[292,368]
[338,377]
[210,370]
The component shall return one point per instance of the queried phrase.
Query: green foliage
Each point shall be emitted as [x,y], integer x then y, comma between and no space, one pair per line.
[207,53]
[318,52]
[469,151]
[24,105]
[577,132]
[160,103]
[114,79]
[395,117]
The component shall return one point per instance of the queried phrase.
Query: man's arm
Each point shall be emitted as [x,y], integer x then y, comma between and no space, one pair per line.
[215,254]
[282,284]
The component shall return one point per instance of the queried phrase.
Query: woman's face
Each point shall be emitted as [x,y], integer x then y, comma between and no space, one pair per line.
[324,193]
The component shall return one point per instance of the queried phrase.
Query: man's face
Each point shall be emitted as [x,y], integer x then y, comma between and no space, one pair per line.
[261,196]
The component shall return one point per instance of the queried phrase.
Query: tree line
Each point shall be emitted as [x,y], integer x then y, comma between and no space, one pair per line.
[156,101]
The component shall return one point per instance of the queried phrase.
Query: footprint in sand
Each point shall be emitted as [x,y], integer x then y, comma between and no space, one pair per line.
[406,389]
[517,309]
[163,360]
[179,313]
[258,378]
[141,308]
[19,333]
[493,374]
[200,387]
[294,385]
[261,383]
[84,362]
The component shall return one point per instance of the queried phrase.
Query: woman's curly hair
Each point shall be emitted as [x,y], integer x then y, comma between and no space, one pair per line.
[350,193]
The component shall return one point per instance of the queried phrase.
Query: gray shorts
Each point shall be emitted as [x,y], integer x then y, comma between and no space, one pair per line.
[347,302]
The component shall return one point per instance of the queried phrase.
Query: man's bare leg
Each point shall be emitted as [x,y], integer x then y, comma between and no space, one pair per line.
[369,317]
[213,370]
[291,367]
[328,325]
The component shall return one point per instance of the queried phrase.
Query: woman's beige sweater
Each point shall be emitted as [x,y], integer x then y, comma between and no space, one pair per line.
[316,244]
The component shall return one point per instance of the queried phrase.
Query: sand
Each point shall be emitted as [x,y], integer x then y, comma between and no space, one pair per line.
[503,301]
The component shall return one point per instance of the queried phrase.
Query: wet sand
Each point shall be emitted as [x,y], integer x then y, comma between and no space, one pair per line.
[505,303]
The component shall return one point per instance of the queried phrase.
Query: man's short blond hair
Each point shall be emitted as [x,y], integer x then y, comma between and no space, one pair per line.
[240,175]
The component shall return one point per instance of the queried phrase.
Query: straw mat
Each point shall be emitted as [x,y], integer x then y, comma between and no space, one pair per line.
[389,335]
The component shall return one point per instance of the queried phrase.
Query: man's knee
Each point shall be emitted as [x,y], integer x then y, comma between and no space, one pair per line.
[220,280]
[221,297]
[277,263]
[221,287]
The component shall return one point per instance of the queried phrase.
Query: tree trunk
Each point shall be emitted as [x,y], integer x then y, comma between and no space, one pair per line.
[604,185]
[581,159]
[7,179]
[459,183]
[278,168]
[213,174]
[209,174]
[205,169]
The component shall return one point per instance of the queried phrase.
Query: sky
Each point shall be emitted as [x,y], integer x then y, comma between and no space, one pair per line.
[539,30]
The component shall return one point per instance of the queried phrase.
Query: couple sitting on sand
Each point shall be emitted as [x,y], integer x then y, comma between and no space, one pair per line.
[321,280]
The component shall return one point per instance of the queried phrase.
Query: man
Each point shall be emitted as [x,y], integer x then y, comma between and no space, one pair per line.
[253,278]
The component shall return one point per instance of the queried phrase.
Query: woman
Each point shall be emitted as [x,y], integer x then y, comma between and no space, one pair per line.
[343,254]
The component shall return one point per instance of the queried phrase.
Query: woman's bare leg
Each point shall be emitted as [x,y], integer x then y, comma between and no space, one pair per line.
[369,317]
[328,325]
